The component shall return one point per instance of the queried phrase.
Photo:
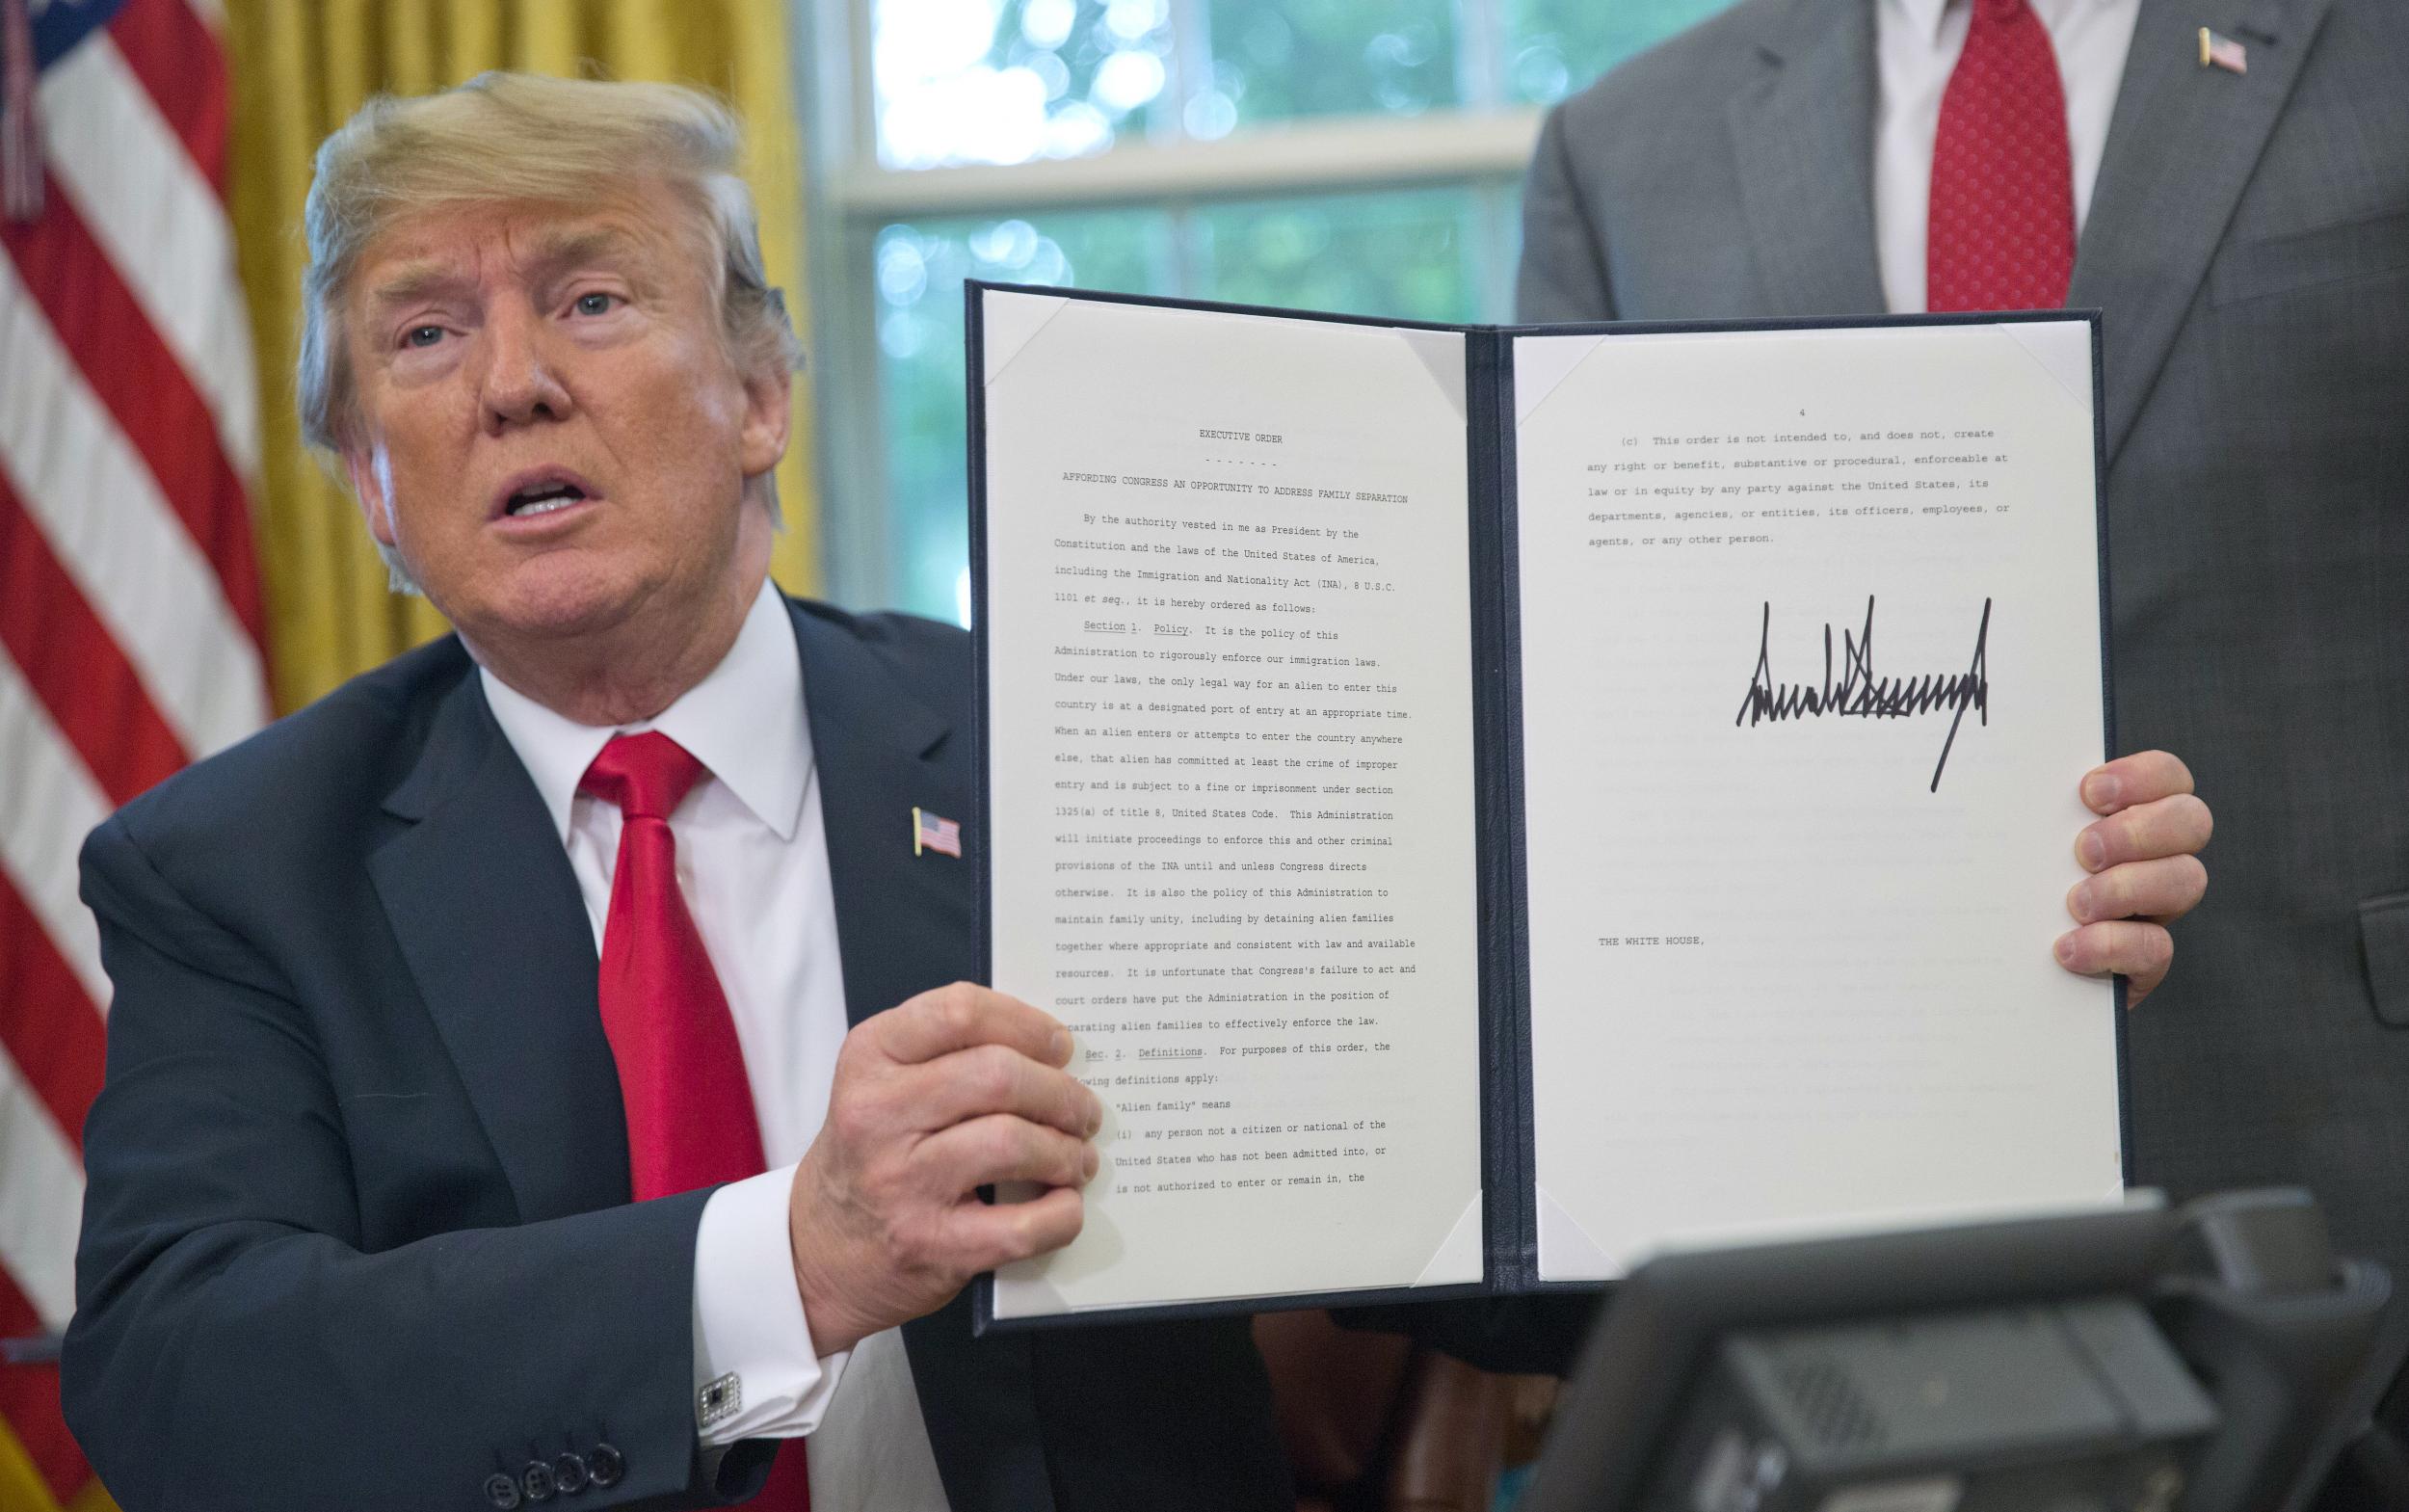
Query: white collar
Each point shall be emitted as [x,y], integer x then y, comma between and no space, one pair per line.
[1925,16]
[728,721]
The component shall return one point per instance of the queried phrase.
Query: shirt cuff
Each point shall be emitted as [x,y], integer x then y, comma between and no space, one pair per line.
[753,1360]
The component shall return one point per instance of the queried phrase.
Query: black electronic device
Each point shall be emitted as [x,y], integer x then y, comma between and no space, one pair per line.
[2143,1360]
[2367,1440]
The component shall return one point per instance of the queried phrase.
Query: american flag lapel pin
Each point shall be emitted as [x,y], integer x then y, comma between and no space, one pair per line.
[2218,51]
[929,832]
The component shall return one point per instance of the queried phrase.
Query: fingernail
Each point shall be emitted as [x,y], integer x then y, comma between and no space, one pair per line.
[2080,904]
[2101,790]
[2092,849]
[2066,949]
[1096,1121]
[1060,1047]
[1091,1162]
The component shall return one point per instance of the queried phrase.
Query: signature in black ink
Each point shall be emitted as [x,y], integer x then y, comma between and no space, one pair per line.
[1859,693]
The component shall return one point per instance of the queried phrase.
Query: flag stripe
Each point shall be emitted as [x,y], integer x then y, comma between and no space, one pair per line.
[47,806]
[40,1204]
[131,625]
[133,373]
[29,1405]
[104,516]
[77,673]
[162,226]
[178,62]
[47,1025]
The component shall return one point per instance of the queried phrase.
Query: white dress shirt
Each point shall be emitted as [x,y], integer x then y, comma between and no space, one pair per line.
[752,864]
[1917,43]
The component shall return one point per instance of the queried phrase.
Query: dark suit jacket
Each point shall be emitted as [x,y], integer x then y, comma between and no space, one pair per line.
[2248,240]
[357,1232]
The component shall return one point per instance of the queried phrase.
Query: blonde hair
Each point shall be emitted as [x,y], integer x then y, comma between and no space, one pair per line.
[523,138]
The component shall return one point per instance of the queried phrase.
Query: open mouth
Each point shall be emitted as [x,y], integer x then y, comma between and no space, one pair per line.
[542,500]
[542,493]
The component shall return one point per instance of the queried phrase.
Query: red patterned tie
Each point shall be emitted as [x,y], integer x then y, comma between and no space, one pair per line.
[2001,234]
[682,1071]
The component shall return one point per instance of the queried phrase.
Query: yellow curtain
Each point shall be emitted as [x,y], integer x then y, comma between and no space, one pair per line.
[300,68]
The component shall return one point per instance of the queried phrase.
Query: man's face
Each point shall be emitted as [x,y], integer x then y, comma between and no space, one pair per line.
[552,434]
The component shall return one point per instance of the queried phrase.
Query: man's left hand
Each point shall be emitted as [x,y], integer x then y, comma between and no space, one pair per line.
[2145,871]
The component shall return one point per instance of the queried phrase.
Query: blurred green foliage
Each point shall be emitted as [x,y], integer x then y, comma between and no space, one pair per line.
[1398,253]
[1278,60]
[1555,47]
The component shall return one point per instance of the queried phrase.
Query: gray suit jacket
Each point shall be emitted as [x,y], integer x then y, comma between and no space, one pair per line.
[2249,243]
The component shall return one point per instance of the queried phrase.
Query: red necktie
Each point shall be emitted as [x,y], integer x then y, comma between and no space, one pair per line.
[681,1073]
[2002,233]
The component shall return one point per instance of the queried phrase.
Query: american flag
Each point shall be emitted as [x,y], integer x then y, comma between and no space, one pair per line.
[2223,52]
[130,636]
[929,832]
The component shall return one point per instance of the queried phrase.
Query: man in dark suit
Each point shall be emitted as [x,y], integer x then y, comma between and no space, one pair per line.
[2240,177]
[532,1072]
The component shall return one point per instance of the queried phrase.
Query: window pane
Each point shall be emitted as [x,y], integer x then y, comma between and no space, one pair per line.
[1555,47]
[1276,60]
[1409,255]
[1006,81]
[920,269]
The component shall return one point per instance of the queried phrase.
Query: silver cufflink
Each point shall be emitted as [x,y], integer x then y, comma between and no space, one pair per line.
[719,1399]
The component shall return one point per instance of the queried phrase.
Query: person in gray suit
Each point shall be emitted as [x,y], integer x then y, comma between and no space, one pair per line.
[2243,222]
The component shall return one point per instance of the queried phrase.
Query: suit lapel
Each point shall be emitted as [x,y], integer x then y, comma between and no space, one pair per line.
[479,893]
[2181,146]
[1804,139]
[904,922]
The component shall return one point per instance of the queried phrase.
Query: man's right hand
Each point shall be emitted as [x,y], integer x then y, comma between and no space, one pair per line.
[954,1090]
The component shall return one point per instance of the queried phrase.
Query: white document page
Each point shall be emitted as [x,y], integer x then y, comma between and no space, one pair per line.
[1231,801]
[1811,667]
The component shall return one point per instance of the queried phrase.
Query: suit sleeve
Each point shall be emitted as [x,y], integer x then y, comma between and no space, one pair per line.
[234,1346]
[1563,275]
